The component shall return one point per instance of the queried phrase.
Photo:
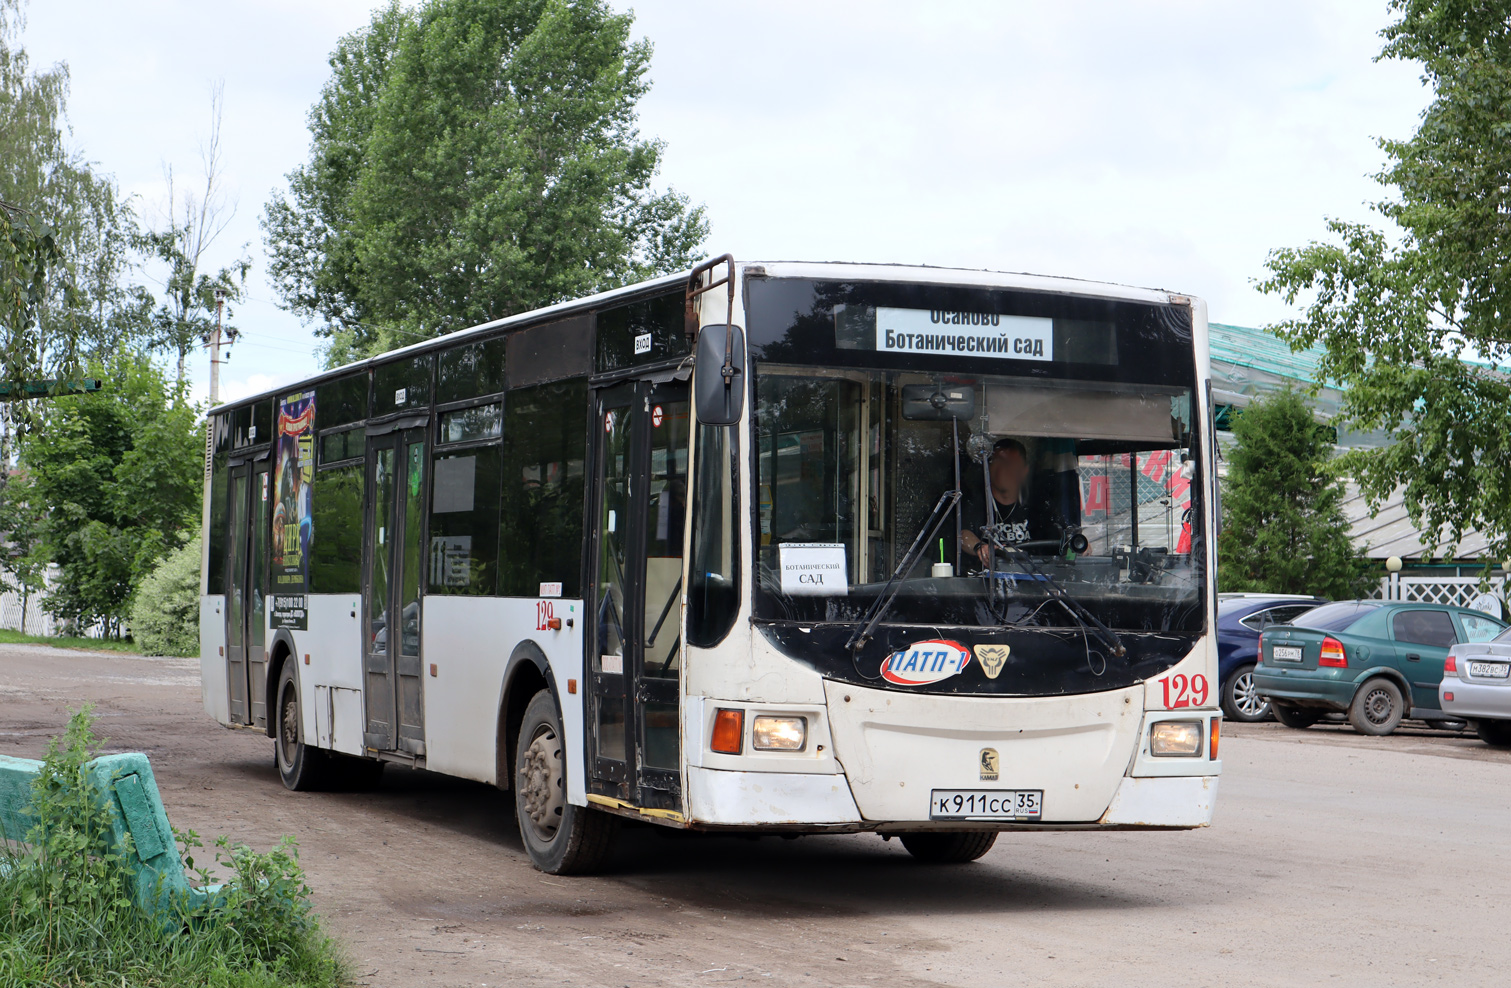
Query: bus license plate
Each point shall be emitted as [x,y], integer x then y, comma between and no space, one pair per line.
[1287,653]
[986,804]
[1489,670]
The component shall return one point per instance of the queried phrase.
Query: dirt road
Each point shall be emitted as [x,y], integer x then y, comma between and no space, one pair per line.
[1334,859]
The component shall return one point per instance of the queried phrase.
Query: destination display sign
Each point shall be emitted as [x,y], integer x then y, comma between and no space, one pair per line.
[814,568]
[976,334]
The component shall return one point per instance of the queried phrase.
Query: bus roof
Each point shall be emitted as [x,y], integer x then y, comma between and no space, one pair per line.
[816,270]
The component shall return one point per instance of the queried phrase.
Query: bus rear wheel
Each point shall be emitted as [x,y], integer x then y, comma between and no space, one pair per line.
[952,848]
[560,838]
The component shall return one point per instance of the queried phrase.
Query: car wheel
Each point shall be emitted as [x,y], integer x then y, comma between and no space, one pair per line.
[953,848]
[1240,697]
[303,767]
[560,838]
[1377,708]
[1294,716]
[1447,725]
[1494,732]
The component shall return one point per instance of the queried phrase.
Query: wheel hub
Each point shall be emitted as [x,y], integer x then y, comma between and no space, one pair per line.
[1377,707]
[288,728]
[1246,696]
[540,785]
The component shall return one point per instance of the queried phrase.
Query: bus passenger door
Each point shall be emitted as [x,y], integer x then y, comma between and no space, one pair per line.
[392,663]
[246,597]
[640,475]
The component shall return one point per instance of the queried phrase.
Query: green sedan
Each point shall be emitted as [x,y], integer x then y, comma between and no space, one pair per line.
[1376,660]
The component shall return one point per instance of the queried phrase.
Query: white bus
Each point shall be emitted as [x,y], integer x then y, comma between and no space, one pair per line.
[768,548]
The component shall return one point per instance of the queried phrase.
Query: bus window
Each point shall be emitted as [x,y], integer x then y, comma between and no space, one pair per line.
[336,542]
[402,386]
[341,402]
[472,370]
[464,521]
[714,582]
[641,332]
[220,477]
[544,444]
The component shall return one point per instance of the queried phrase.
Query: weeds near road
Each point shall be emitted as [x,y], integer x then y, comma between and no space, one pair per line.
[67,917]
[8,637]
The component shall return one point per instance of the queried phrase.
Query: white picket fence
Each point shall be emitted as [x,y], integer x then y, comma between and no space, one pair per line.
[38,620]
[1460,591]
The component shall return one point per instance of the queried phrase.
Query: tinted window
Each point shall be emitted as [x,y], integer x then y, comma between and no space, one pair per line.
[470,371]
[220,466]
[1478,628]
[336,542]
[341,401]
[544,446]
[464,508]
[1335,617]
[466,424]
[342,445]
[402,386]
[651,329]
[714,595]
[1433,628]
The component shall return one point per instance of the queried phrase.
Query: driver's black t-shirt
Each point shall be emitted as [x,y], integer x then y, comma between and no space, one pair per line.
[1013,517]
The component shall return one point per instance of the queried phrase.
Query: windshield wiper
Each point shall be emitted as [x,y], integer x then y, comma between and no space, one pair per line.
[1073,607]
[931,524]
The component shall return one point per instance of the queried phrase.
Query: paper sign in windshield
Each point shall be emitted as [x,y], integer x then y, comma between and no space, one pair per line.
[940,332]
[814,568]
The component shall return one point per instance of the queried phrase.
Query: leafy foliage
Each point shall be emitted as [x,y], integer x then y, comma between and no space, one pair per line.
[70,919]
[22,515]
[165,614]
[1396,310]
[472,159]
[121,473]
[1284,530]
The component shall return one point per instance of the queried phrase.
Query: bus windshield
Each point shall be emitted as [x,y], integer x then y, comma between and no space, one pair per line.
[1084,486]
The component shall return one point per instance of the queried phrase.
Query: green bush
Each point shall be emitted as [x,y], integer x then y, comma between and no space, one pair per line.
[69,920]
[165,616]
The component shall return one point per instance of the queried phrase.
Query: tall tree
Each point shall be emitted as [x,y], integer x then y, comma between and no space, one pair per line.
[121,473]
[471,159]
[186,315]
[1396,309]
[1284,530]
[65,235]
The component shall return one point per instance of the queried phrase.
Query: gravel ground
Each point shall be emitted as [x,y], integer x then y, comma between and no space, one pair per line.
[1334,859]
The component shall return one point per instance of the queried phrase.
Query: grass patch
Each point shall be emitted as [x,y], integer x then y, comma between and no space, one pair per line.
[67,917]
[63,641]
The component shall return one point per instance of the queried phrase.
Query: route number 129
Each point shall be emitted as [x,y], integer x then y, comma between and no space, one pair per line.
[1183,691]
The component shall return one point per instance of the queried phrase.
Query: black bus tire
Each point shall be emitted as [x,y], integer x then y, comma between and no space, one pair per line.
[303,767]
[560,838]
[951,848]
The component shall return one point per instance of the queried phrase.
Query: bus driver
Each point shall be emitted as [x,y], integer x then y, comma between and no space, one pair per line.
[1008,468]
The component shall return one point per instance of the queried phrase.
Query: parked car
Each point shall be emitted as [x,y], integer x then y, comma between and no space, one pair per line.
[1240,619]
[1477,687]
[1378,661]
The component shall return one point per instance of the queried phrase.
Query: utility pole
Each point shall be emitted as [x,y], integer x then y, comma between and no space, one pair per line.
[220,304]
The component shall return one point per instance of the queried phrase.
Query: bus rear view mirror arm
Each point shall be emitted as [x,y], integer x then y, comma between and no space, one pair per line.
[719,375]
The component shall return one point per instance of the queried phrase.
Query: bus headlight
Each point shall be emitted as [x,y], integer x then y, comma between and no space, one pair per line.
[779,733]
[1175,738]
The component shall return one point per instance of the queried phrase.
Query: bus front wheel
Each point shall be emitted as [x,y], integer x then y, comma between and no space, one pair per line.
[951,848]
[302,767]
[560,838]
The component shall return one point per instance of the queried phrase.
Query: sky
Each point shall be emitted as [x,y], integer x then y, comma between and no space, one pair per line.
[1165,143]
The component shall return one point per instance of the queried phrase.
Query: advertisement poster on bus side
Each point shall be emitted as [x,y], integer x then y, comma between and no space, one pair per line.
[293,474]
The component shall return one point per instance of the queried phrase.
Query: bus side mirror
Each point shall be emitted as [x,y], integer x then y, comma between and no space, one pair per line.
[719,375]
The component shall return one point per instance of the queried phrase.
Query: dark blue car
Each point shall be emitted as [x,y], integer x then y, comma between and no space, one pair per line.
[1240,619]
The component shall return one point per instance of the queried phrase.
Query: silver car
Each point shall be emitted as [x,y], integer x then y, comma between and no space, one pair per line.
[1476,686]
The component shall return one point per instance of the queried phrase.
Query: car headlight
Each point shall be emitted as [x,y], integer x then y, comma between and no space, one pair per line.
[769,733]
[1175,738]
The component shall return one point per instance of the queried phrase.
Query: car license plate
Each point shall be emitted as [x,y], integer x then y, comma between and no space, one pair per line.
[986,804]
[1287,653]
[1489,670]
